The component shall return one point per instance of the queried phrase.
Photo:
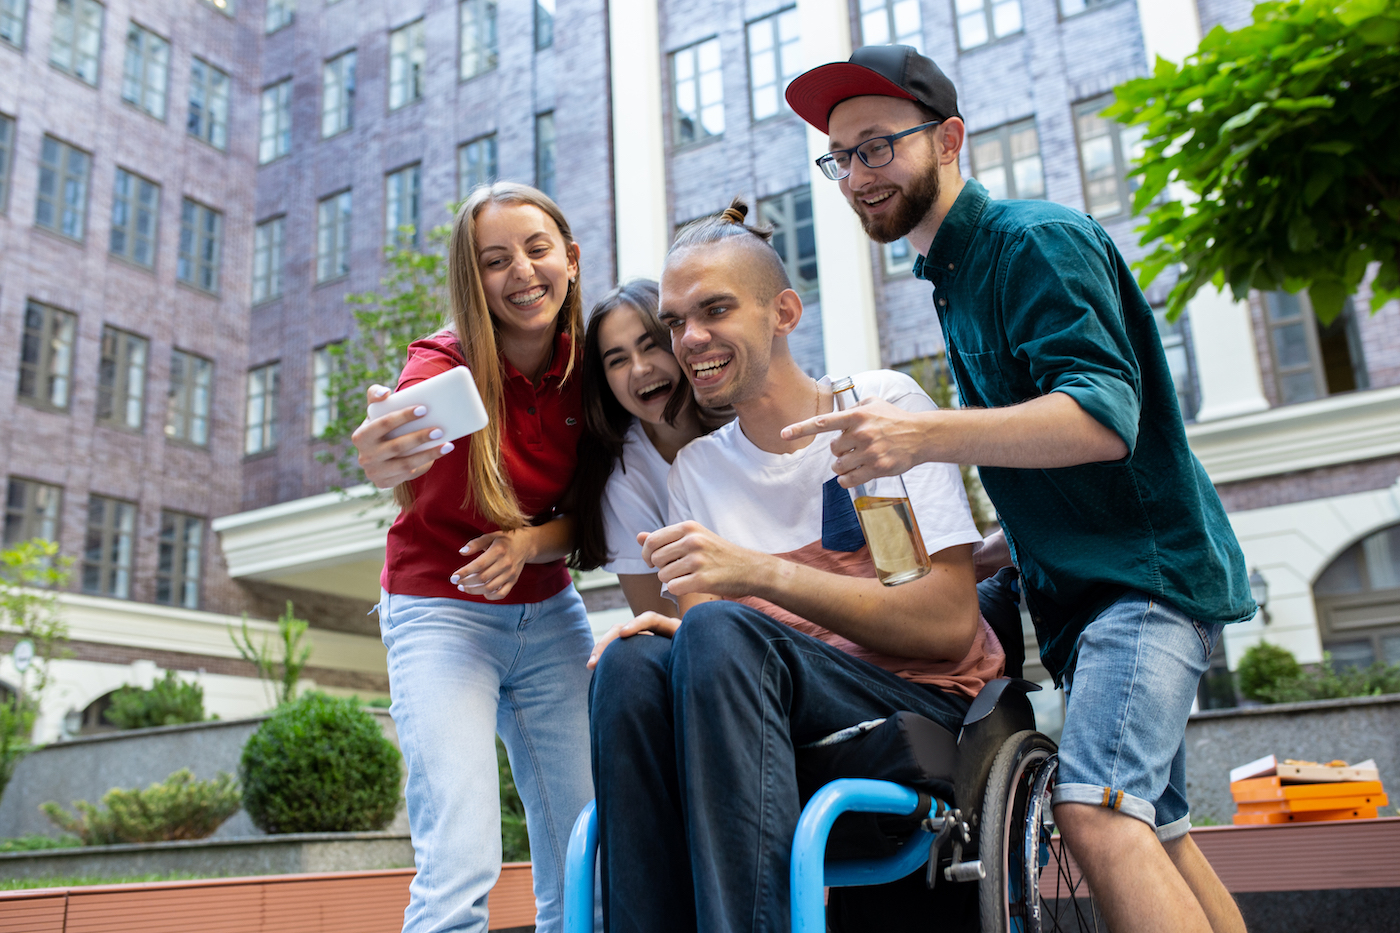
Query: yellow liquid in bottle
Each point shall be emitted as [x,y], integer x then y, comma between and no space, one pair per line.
[893,535]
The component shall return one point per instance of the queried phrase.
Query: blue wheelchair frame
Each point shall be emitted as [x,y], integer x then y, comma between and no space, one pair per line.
[809,871]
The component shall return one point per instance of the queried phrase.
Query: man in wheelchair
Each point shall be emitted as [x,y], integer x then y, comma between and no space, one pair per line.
[787,636]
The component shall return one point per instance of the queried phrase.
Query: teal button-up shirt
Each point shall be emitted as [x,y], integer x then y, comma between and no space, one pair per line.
[1034,298]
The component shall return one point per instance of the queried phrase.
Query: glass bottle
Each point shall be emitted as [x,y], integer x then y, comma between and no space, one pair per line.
[888,522]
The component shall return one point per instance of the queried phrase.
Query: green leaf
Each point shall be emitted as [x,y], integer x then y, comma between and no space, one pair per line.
[1328,296]
[1289,105]
[1351,12]
[1334,146]
[1316,185]
[1240,119]
[1380,32]
[1302,235]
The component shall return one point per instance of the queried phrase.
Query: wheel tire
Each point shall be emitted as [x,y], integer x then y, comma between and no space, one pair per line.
[1003,829]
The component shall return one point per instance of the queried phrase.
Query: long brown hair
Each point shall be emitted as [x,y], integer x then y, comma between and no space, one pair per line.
[606,422]
[489,489]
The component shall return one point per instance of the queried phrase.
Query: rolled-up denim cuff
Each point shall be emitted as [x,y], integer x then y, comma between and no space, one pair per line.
[1175,829]
[1110,798]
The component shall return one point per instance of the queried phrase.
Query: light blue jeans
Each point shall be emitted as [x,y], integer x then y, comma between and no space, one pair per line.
[1126,703]
[459,673]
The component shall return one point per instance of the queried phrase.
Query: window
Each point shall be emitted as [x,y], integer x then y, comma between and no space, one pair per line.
[275,122]
[1006,161]
[147,70]
[1105,149]
[477,22]
[1311,361]
[333,237]
[892,22]
[12,21]
[32,510]
[209,107]
[1358,602]
[7,149]
[401,206]
[46,355]
[260,434]
[1180,361]
[181,553]
[699,90]
[267,259]
[109,547]
[187,408]
[1071,7]
[407,58]
[476,164]
[121,379]
[545,152]
[338,94]
[324,362]
[981,21]
[790,214]
[135,208]
[77,38]
[201,230]
[279,13]
[223,6]
[774,60]
[899,257]
[544,24]
[63,177]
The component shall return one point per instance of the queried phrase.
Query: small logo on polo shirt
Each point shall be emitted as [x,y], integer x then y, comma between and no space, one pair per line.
[571,421]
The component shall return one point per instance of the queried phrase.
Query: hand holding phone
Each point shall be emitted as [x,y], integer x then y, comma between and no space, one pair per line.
[453,403]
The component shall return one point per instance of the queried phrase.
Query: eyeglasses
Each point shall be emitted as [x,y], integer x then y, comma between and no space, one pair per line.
[876,152]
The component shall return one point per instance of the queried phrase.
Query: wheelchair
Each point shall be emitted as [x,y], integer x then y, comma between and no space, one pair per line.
[883,799]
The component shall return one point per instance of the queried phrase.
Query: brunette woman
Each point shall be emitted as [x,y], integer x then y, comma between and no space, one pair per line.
[486,634]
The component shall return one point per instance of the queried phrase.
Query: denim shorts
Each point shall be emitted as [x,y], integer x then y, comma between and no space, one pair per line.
[1127,700]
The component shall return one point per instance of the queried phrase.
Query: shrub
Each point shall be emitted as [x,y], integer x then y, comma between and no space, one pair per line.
[35,842]
[169,702]
[1264,667]
[320,765]
[515,838]
[178,808]
[1271,674]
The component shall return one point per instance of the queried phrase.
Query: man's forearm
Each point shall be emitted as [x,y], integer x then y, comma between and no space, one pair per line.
[934,617]
[1044,433]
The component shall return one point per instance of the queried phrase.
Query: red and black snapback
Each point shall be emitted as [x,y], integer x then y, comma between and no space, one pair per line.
[881,70]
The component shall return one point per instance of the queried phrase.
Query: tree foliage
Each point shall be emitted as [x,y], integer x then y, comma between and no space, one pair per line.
[31,572]
[1285,132]
[411,303]
[170,702]
[283,672]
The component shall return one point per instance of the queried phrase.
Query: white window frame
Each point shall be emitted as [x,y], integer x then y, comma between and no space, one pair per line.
[892,22]
[260,424]
[1015,170]
[697,93]
[402,197]
[407,64]
[7,159]
[781,212]
[1126,144]
[333,215]
[208,116]
[146,70]
[64,170]
[275,121]
[338,94]
[478,42]
[12,21]
[546,154]
[982,22]
[268,243]
[470,155]
[76,43]
[277,14]
[323,404]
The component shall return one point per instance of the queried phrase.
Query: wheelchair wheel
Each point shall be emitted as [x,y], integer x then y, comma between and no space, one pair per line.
[1030,885]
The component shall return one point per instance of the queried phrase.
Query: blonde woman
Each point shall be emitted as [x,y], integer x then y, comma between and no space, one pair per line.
[486,634]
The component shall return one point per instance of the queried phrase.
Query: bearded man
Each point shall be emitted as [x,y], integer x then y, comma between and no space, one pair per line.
[1129,563]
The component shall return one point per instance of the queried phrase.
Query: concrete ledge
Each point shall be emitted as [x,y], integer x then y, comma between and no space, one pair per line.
[290,854]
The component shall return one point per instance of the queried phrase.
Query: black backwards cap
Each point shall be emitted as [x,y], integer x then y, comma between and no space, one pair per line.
[882,70]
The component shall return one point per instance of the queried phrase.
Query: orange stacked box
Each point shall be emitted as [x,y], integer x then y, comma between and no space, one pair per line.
[1270,791]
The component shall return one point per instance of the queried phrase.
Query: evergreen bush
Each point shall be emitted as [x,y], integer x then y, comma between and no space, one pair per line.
[320,764]
[169,702]
[1264,667]
[180,807]
[1270,674]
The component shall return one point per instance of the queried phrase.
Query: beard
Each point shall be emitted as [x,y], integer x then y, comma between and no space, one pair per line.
[914,203]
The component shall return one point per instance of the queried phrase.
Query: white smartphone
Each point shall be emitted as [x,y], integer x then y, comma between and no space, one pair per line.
[454,405]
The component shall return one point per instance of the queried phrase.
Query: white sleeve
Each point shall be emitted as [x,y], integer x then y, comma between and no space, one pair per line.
[678,505]
[626,511]
[936,490]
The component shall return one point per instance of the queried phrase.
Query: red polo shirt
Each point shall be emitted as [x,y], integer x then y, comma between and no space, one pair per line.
[539,449]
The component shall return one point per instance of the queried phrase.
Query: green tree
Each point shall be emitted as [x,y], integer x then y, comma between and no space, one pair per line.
[179,807]
[411,303]
[31,572]
[281,672]
[931,373]
[1284,131]
[169,702]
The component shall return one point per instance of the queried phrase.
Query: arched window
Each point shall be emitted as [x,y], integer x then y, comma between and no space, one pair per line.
[1358,601]
[93,720]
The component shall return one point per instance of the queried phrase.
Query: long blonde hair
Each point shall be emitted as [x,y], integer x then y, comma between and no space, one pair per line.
[489,489]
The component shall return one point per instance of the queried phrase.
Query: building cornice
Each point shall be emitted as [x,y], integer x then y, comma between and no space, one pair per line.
[1329,431]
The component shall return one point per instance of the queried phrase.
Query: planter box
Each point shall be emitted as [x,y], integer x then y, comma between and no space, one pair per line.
[1352,729]
[348,902]
[292,853]
[85,768]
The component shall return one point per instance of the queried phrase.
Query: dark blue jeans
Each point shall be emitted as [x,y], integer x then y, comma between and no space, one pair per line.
[693,763]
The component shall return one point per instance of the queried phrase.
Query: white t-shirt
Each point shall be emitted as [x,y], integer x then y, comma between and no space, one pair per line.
[774,503]
[635,499]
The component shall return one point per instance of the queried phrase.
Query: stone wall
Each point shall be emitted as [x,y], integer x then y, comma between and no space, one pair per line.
[1353,730]
[86,768]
